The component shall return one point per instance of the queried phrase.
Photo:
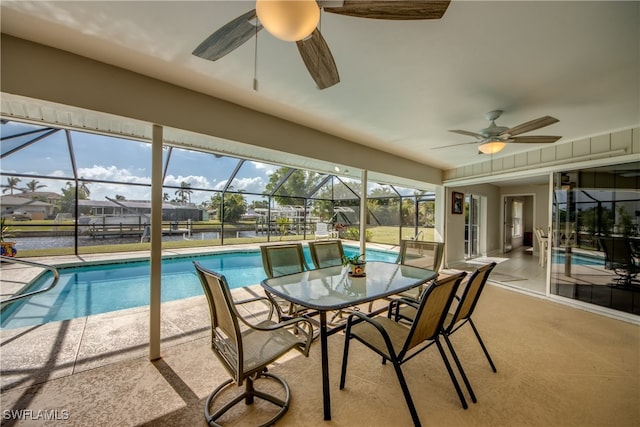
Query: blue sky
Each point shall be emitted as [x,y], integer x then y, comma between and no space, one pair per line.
[106,158]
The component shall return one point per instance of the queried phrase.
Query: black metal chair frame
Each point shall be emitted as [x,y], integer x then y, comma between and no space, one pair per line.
[233,345]
[466,304]
[420,335]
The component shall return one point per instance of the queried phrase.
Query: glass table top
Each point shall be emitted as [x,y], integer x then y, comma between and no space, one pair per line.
[333,288]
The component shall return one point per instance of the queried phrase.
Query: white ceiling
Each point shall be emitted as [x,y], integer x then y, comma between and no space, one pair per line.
[404,84]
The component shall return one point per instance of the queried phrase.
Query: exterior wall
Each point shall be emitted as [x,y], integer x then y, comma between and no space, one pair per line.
[454,249]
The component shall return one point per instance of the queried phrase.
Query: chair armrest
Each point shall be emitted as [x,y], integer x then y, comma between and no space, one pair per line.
[294,323]
[264,299]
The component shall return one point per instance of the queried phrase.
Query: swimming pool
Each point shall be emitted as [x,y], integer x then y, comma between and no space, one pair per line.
[86,290]
[577,259]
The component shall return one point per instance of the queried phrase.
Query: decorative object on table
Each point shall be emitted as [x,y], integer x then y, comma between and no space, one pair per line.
[457,202]
[7,248]
[357,265]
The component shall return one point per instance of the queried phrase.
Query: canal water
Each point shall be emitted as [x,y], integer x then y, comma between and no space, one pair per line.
[31,243]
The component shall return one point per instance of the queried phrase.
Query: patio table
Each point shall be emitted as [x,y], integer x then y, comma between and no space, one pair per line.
[332,288]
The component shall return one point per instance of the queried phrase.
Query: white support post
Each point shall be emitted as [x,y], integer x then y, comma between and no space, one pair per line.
[156,243]
[363,213]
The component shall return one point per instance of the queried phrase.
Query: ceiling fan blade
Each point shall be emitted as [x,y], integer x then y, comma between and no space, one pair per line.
[454,145]
[466,132]
[229,37]
[536,139]
[531,125]
[390,9]
[318,59]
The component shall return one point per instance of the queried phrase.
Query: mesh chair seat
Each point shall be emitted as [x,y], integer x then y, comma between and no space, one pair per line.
[397,333]
[265,346]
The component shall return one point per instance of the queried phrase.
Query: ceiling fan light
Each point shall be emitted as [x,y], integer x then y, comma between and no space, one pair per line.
[491,147]
[288,20]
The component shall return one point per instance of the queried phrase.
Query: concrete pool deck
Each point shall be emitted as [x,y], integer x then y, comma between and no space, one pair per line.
[557,366]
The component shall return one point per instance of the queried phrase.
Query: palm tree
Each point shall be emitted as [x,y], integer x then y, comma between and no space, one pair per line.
[34,185]
[12,184]
[184,192]
[83,189]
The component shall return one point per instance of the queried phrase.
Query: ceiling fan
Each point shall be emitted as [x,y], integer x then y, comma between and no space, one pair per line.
[312,46]
[494,138]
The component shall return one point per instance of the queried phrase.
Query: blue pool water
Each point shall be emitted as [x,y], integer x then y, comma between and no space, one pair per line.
[577,259]
[87,290]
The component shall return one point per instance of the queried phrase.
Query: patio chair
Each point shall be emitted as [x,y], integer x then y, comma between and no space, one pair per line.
[543,245]
[322,231]
[326,253]
[398,343]
[281,259]
[423,254]
[246,349]
[619,257]
[464,307]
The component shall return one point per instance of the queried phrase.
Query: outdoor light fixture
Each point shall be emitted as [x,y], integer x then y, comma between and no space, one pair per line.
[288,20]
[492,147]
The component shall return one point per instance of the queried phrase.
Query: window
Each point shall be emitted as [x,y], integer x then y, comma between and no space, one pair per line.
[517,210]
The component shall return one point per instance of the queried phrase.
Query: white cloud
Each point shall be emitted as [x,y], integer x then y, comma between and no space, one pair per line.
[112,173]
[196,181]
[250,185]
[268,169]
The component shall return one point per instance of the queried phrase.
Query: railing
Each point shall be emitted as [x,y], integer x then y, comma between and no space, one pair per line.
[56,277]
